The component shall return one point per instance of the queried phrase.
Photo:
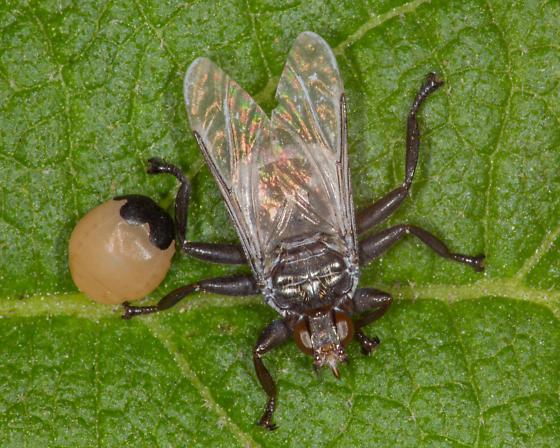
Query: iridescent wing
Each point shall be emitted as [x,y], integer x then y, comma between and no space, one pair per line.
[305,172]
[231,130]
[284,178]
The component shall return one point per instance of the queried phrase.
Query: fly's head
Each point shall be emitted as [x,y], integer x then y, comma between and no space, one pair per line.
[324,334]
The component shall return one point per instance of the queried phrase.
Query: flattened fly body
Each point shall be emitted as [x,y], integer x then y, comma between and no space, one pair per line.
[286,184]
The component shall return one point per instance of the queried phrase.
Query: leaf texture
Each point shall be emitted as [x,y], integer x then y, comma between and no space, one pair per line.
[90,91]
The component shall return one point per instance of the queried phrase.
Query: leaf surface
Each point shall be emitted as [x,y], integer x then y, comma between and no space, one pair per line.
[89,92]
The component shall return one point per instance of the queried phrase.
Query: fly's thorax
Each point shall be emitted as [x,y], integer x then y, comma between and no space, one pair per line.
[309,273]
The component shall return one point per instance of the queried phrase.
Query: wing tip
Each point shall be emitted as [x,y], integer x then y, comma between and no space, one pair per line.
[191,75]
[313,36]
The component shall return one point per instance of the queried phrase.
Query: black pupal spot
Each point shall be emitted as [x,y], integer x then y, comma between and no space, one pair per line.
[140,210]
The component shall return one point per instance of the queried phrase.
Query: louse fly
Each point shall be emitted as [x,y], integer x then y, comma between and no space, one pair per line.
[286,184]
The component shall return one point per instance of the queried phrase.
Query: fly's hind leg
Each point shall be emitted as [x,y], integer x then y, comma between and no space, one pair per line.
[384,207]
[373,304]
[244,285]
[215,253]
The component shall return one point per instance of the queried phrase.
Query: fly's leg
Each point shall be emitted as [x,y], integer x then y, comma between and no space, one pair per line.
[215,253]
[375,304]
[367,344]
[272,336]
[377,244]
[384,207]
[231,286]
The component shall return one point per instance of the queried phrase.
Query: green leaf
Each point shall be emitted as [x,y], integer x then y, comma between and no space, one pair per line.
[89,91]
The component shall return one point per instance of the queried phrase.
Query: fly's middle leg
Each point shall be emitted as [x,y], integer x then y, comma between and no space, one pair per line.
[244,285]
[215,253]
[384,207]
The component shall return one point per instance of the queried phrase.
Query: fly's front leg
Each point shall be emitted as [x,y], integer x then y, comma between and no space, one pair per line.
[273,335]
[230,286]
[377,244]
[385,206]
[215,253]
[374,304]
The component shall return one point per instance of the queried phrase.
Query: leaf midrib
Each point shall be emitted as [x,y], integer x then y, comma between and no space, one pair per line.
[77,305]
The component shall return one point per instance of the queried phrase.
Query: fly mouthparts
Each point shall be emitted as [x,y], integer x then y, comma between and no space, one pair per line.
[335,372]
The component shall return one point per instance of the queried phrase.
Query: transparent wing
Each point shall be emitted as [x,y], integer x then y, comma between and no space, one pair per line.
[304,179]
[284,178]
[231,130]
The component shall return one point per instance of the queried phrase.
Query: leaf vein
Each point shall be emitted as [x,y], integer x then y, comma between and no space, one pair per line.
[546,244]
[470,374]
[254,30]
[376,20]
[157,33]
[503,120]
[159,332]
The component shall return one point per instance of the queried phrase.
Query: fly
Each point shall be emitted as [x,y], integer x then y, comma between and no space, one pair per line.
[286,185]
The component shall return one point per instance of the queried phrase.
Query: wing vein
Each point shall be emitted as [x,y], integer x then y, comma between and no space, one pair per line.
[311,107]
[229,130]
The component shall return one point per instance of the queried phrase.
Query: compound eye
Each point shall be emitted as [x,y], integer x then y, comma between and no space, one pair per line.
[344,327]
[303,337]
[121,250]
